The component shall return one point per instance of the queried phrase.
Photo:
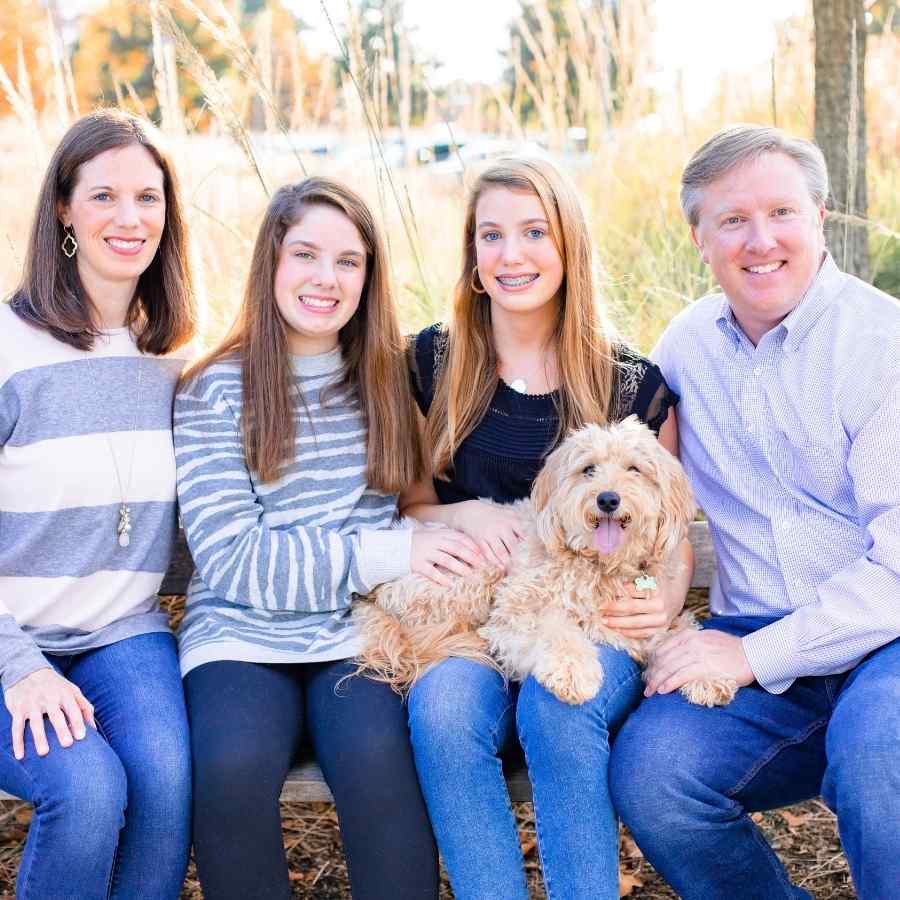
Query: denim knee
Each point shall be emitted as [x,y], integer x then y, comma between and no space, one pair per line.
[459,707]
[655,769]
[564,727]
[84,789]
[862,745]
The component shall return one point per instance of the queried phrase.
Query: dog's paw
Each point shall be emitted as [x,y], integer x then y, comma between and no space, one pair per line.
[570,680]
[710,692]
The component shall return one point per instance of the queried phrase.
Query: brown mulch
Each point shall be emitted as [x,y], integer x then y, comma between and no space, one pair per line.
[804,836]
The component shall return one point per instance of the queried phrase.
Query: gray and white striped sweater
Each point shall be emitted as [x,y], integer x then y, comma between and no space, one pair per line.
[278,563]
[67,419]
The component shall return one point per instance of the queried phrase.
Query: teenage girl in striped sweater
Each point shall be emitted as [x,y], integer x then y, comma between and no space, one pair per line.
[293,440]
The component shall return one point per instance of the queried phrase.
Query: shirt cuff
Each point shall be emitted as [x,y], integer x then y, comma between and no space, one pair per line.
[20,656]
[771,655]
[384,554]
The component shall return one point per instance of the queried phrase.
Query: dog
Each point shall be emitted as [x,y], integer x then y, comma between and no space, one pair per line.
[609,507]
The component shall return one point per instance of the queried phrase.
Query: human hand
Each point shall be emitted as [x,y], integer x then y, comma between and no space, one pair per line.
[691,655]
[642,612]
[46,693]
[436,552]
[495,529]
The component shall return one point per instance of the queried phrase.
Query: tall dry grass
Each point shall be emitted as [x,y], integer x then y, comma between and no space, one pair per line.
[628,179]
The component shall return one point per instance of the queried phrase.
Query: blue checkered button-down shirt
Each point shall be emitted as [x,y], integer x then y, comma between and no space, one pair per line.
[792,448]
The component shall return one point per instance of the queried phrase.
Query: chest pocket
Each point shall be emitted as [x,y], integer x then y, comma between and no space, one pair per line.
[815,471]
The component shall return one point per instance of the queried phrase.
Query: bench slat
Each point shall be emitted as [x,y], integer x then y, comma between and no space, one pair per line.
[305,784]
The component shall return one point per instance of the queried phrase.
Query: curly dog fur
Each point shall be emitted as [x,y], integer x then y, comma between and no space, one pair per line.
[609,505]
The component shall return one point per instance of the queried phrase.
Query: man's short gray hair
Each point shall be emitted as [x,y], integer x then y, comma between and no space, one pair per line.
[738,144]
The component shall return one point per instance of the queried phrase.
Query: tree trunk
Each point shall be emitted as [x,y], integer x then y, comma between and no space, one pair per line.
[840,130]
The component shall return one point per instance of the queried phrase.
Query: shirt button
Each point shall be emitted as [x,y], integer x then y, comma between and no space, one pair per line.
[798,582]
[750,429]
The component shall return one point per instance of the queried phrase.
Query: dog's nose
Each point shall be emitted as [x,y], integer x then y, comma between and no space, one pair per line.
[608,501]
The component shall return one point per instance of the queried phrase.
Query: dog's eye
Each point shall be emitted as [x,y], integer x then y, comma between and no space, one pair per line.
[588,470]
[634,469]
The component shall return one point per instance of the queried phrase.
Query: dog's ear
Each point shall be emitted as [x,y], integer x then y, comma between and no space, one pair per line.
[547,522]
[678,506]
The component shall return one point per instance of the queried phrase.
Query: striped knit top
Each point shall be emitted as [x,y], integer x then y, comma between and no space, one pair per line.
[65,583]
[278,563]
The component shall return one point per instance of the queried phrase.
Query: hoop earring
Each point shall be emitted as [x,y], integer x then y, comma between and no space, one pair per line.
[69,245]
[472,277]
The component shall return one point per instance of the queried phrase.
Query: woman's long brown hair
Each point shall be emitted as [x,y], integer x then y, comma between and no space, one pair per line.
[468,377]
[371,344]
[51,296]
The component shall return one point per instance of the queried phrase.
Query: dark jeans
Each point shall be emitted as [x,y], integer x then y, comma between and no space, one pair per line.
[684,778]
[247,724]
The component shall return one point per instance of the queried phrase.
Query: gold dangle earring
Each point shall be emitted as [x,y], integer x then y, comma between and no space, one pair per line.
[69,244]
[477,290]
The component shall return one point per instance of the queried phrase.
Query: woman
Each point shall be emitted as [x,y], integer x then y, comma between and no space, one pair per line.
[294,438]
[94,730]
[526,358]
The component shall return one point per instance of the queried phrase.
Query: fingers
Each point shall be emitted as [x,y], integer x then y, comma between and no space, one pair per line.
[639,626]
[18,736]
[433,573]
[495,553]
[60,726]
[451,563]
[87,709]
[667,680]
[637,602]
[75,716]
[36,724]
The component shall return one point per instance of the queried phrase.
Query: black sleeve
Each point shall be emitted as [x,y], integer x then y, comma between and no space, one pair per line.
[421,349]
[641,390]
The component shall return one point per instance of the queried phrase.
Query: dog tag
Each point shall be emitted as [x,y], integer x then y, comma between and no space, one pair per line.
[645,583]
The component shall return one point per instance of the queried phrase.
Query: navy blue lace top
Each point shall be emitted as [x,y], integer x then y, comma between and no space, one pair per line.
[502,456]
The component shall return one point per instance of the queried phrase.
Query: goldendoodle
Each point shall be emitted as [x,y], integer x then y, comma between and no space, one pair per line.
[610,506]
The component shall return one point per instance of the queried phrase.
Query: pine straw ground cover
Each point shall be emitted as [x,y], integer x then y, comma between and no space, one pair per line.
[804,836]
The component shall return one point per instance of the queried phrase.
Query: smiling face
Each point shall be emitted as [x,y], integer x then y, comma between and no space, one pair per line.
[320,278]
[761,234]
[518,263]
[118,212]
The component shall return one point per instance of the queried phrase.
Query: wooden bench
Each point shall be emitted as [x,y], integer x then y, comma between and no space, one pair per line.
[305,782]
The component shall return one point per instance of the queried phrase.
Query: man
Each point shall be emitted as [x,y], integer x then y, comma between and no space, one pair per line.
[790,401]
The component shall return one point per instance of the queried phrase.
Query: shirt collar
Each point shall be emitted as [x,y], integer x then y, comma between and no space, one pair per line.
[819,295]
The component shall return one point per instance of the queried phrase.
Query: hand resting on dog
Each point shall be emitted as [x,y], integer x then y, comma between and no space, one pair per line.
[496,529]
[640,613]
[440,553]
[697,655]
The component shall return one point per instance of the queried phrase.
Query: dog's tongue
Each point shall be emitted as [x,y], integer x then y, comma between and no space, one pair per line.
[608,535]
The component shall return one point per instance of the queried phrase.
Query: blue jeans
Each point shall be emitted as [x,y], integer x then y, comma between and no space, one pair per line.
[112,812]
[462,720]
[684,778]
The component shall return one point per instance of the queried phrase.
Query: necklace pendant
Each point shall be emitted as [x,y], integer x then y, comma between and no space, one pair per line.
[519,385]
[124,526]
